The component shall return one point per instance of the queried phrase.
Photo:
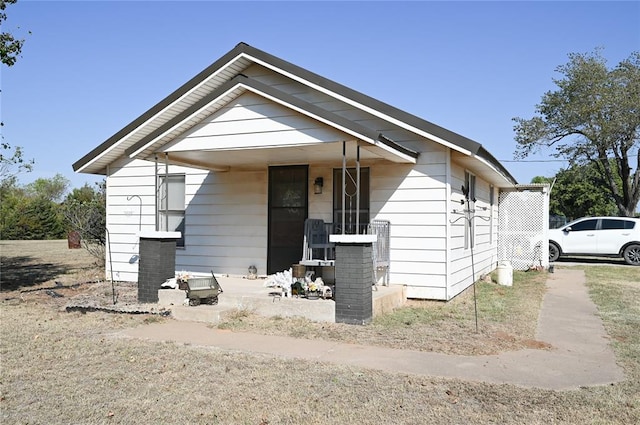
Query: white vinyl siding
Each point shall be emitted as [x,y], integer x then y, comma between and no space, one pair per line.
[413,199]
[131,208]
[236,125]
[484,252]
[226,223]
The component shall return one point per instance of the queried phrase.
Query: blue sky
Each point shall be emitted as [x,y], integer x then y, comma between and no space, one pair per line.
[89,68]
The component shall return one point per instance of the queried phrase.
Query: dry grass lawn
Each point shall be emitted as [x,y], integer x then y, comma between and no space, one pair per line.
[68,368]
[507,319]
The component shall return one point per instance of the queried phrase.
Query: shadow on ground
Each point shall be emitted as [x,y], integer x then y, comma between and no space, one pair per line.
[593,260]
[21,272]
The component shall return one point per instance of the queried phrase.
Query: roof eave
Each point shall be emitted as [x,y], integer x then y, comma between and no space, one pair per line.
[377,108]
[84,162]
[149,143]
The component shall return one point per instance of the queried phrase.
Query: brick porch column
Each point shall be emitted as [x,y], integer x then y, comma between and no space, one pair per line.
[157,263]
[354,278]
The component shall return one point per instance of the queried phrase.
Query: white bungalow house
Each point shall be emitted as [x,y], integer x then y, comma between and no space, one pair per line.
[239,156]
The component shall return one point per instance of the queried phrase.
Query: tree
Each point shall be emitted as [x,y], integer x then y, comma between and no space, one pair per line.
[11,200]
[40,220]
[12,163]
[25,217]
[579,191]
[52,189]
[85,211]
[33,211]
[593,118]
[10,47]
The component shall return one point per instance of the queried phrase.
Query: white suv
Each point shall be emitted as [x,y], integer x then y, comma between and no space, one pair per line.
[598,236]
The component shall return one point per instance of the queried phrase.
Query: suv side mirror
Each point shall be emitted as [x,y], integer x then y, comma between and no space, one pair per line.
[567,229]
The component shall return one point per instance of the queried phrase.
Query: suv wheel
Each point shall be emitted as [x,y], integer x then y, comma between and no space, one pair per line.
[632,255]
[554,252]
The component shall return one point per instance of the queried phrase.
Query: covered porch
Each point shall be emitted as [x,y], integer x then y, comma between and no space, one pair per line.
[313,190]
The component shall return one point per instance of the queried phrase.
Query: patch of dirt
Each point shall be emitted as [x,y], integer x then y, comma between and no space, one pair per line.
[536,345]
[49,273]
[29,264]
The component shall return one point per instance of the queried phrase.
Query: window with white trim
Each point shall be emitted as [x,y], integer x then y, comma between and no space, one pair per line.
[469,225]
[171,205]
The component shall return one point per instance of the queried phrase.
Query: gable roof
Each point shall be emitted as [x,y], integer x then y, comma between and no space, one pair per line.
[148,144]
[223,79]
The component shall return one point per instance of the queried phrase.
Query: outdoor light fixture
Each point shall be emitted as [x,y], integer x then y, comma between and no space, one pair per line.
[317,185]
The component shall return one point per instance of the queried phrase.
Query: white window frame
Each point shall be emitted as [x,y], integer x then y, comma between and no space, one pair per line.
[469,222]
[172,207]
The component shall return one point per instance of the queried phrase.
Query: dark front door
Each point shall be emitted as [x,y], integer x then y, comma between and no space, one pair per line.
[287,213]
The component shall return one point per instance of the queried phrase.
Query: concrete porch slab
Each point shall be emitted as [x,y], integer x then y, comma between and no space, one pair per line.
[241,293]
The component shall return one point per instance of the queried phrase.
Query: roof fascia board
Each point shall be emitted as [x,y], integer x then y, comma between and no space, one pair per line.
[165,128]
[378,112]
[494,163]
[506,177]
[188,87]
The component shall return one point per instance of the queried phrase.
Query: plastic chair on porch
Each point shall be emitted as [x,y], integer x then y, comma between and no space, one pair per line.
[316,236]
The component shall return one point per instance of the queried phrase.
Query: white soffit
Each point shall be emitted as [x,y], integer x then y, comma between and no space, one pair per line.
[147,150]
[361,106]
[183,102]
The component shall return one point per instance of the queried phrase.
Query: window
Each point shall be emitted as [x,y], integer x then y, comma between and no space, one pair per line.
[614,224]
[350,200]
[171,205]
[470,227]
[584,225]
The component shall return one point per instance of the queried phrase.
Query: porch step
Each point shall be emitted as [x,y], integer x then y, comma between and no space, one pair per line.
[388,298]
[170,297]
[202,313]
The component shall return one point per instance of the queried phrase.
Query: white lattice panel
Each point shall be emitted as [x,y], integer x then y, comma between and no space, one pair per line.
[523,228]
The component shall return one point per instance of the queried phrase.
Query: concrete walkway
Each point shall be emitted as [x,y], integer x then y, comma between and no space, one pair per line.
[580,356]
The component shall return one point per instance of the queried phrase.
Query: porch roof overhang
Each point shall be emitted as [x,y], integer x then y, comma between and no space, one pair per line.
[375,145]
[255,158]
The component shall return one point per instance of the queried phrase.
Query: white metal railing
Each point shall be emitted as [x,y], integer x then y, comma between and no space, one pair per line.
[381,253]
[318,251]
